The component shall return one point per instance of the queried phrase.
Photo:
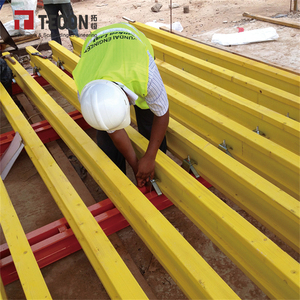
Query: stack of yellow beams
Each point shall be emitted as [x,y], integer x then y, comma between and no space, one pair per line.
[196,130]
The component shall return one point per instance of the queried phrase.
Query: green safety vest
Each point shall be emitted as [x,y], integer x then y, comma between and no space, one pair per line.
[117,53]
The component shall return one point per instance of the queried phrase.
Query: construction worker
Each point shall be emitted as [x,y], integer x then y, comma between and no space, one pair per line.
[116,70]
[52,8]
[6,77]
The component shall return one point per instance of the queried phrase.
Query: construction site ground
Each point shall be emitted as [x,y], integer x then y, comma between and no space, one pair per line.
[73,277]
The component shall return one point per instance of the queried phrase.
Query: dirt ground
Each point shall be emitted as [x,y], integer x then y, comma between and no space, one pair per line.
[203,20]
[73,277]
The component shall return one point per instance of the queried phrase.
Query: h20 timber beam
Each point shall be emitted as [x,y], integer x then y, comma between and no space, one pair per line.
[278,128]
[68,62]
[110,268]
[30,275]
[227,237]
[267,196]
[256,255]
[217,97]
[188,269]
[77,45]
[271,161]
[278,78]
[261,199]
[253,90]
[3,295]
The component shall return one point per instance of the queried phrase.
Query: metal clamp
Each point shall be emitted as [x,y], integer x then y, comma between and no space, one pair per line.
[155,186]
[60,64]
[258,131]
[187,165]
[288,115]
[36,71]
[224,148]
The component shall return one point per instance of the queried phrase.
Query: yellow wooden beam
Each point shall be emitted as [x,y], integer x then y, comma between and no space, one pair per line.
[276,127]
[276,77]
[266,95]
[261,199]
[68,62]
[3,295]
[276,164]
[231,235]
[266,195]
[110,268]
[77,45]
[189,270]
[29,273]
[272,269]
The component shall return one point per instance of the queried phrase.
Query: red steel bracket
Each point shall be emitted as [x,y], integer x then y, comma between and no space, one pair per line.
[56,240]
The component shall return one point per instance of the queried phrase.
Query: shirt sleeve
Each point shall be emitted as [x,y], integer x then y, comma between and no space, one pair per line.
[156,98]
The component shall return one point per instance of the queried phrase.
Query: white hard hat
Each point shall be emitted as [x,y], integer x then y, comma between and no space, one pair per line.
[104,105]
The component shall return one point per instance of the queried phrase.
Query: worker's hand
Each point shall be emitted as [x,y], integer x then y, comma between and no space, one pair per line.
[145,171]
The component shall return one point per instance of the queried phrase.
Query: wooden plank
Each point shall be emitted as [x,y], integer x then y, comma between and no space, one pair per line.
[3,295]
[271,20]
[31,278]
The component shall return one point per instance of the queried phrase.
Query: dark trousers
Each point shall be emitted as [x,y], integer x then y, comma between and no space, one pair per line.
[144,119]
[6,77]
[69,20]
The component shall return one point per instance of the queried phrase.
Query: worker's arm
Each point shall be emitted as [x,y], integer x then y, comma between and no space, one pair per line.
[123,144]
[146,164]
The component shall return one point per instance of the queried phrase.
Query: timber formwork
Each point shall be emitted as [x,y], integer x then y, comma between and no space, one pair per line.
[237,119]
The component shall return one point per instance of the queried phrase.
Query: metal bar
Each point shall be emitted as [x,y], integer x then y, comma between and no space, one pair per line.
[271,161]
[251,89]
[31,278]
[273,20]
[259,258]
[281,79]
[50,243]
[44,131]
[181,261]
[110,268]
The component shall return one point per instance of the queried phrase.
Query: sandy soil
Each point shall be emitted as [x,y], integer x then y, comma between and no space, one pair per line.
[203,20]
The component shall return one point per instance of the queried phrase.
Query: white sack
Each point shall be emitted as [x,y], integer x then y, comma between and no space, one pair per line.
[24,5]
[245,37]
